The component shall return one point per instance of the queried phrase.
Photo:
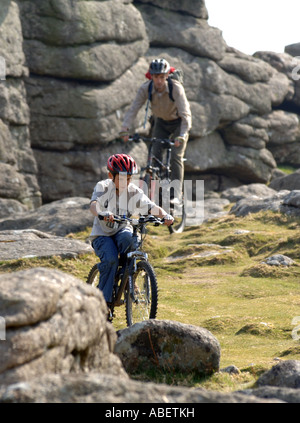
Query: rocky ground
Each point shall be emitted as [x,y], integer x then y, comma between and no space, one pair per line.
[55,350]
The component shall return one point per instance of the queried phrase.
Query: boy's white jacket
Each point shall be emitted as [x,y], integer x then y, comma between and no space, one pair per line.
[132,201]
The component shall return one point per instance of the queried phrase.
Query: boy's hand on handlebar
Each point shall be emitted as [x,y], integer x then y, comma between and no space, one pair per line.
[168,219]
[108,217]
[124,134]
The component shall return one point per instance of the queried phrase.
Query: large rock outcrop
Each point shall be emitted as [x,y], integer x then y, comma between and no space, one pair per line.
[54,324]
[73,68]
[19,187]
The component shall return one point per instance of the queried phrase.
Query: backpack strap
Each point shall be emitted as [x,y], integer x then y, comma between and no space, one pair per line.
[148,101]
[150,90]
[170,85]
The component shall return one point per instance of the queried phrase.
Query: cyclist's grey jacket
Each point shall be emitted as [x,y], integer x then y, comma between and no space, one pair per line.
[162,106]
[131,202]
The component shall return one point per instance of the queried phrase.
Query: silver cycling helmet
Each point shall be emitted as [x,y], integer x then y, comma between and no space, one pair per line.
[158,66]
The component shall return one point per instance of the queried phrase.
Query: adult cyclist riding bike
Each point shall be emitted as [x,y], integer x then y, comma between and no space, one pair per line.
[172,114]
[117,195]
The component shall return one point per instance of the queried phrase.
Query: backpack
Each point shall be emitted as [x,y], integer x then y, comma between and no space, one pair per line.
[174,74]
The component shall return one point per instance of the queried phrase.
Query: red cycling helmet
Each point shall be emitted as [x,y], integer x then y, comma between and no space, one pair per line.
[121,163]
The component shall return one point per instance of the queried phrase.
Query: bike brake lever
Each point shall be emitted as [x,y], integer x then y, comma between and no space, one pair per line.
[134,138]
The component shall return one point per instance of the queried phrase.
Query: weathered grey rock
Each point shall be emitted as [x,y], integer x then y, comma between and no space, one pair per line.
[244,191]
[82,40]
[166,28]
[58,170]
[66,115]
[279,260]
[287,395]
[107,43]
[14,107]
[9,207]
[29,243]
[11,49]
[211,153]
[54,324]
[82,62]
[292,199]
[17,164]
[248,68]
[58,218]
[170,345]
[289,66]
[214,208]
[283,201]
[284,374]
[62,23]
[283,127]
[232,370]
[287,153]
[254,205]
[288,182]
[190,7]
[251,131]
[103,388]
[275,128]
[293,49]
[284,137]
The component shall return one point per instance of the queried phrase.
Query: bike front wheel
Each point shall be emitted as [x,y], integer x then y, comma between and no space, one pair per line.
[142,305]
[93,276]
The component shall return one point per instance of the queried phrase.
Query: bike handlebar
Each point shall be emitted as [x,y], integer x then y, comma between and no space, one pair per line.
[142,220]
[137,138]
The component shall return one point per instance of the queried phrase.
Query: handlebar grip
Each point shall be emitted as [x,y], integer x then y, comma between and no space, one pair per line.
[117,219]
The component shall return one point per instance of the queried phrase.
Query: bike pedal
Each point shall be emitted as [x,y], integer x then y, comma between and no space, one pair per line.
[110,316]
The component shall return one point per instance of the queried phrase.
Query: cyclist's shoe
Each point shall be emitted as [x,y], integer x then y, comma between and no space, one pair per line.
[109,312]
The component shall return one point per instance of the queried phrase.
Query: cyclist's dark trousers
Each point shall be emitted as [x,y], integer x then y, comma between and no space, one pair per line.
[165,129]
[107,248]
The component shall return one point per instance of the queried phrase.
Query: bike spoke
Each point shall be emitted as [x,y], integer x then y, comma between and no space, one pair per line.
[142,293]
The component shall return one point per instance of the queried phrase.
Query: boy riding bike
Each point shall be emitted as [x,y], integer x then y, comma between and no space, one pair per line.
[117,195]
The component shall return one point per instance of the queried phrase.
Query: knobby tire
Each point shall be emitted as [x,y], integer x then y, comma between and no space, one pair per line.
[146,295]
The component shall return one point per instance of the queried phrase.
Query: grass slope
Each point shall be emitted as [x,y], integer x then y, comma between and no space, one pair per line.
[213,276]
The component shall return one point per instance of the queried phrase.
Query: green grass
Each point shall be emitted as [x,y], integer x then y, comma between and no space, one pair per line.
[287,169]
[248,306]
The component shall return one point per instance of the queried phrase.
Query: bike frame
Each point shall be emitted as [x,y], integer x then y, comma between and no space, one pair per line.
[160,174]
[167,144]
[131,258]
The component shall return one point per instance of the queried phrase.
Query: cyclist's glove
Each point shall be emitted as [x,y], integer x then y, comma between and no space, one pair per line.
[179,140]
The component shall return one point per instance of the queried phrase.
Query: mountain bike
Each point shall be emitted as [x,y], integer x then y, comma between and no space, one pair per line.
[155,179]
[135,284]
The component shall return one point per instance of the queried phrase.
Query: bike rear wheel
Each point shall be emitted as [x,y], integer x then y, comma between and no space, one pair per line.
[144,304]
[93,279]
[179,214]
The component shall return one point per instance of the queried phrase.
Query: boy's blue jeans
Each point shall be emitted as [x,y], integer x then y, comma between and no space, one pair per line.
[108,248]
